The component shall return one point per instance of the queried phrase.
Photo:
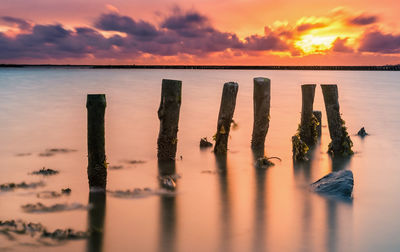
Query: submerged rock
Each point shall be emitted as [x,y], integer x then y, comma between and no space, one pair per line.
[37,230]
[22,185]
[53,151]
[204,143]
[135,193]
[45,172]
[337,184]
[53,194]
[135,161]
[41,208]
[264,162]
[115,167]
[362,132]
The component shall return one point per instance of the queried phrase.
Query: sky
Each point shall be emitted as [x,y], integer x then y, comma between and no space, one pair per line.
[208,32]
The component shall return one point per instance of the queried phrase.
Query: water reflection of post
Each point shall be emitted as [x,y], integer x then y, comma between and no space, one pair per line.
[338,163]
[167,208]
[96,217]
[259,206]
[221,161]
[304,169]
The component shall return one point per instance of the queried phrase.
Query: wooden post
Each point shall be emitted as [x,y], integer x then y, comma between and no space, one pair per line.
[228,103]
[318,115]
[168,113]
[261,106]
[97,166]
[341,143]
[307,133]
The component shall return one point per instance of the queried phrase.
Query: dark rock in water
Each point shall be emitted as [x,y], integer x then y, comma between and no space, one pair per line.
[66,191]
[45,172]
[22,185]
[362,132]
[204,143]
[338,184]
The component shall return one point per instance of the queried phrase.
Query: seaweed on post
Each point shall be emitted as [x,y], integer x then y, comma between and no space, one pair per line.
[345,143]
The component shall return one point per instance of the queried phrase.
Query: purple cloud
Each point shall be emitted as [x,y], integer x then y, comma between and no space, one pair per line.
[363,19]
[114,22]
[378,42]
[309,26]
[22,24]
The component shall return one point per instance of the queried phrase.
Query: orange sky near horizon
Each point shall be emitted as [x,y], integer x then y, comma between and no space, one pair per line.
[236,32]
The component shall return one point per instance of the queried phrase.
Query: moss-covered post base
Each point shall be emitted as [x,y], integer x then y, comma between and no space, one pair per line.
[228,103]
[318,115]
[168,113]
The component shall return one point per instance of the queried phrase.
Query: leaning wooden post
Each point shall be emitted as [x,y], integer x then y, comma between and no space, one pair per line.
[307,126]
[168,113]
[228,103]
[261,106]
[341,143]
[97,166]
[318,116]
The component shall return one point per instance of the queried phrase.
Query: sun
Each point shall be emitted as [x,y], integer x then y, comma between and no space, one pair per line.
[311,44]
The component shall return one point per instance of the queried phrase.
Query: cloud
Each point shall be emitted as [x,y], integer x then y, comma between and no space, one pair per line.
[339,45]
[377,42]
[191,35]
[115,22]
[112,8]
[363,19]
[54,41]
[309,26]
[21,23]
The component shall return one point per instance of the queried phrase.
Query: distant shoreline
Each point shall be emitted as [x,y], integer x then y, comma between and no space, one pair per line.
[212,67]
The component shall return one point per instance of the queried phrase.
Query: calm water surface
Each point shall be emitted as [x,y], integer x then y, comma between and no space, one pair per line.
[242,209]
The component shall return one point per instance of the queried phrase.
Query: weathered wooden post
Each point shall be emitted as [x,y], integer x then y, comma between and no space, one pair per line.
[261,106]
[307,125]
[97,166]
[318,116]
[228,103]
[341,143]
[168,113]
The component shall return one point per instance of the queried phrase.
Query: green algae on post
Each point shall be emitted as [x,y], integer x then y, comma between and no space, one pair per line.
[341,143]
[168,114]
[318,115]
[226,110]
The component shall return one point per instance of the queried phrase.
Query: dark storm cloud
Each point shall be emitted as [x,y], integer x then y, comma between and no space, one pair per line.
[22,24]
[378,42]
[363,19]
